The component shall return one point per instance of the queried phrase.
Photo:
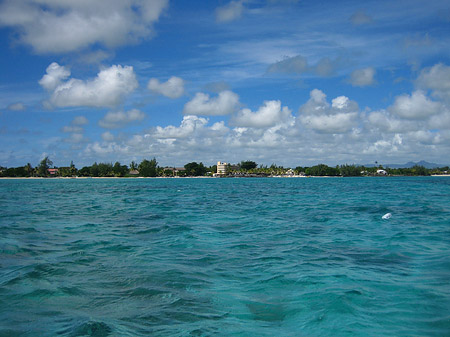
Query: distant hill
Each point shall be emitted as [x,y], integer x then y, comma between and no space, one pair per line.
[411,164]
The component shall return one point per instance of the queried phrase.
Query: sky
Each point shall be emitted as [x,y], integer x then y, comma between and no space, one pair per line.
[296,83]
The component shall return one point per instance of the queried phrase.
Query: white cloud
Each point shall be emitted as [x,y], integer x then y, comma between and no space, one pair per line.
[224,104]
[16,107]
[80,120]
[72,129]
[108,89]
[385,122]
[173,88]
[231,11]
[118,119]
[440,121]
[76,138]
[414,106]
[107,136]
[55,75]
[50,26]
[188,126]
[385,147]
[362,77]
[76,130]
[270,114]
[437,79]
[336,123]
[317,114]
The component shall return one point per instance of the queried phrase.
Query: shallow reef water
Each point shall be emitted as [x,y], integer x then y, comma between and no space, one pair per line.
[227,257]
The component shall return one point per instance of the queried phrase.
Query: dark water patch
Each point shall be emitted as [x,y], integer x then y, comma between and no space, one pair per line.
[11,333]
[269,312]
[141,292]
[117,248]
[92,329]
[72,291]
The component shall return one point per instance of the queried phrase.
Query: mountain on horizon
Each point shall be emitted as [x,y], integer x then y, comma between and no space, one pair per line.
[410,164]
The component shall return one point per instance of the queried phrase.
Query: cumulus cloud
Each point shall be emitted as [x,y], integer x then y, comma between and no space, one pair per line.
[317,114]
[437,79]
[55,75]
[440,121]
[362,77]
[188,126]
[360,18]
[224,104]
[108,89]
[80,120]
[173,88]
[76,138]
[385,146]
[270,114]
[118,119]
[50,26]
[230,12]
[387,123]
[414,106]
[107,136]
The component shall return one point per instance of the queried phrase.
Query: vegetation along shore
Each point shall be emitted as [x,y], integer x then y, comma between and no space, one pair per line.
[150,168]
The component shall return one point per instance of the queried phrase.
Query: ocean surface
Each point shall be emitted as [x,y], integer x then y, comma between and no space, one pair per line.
[225,257]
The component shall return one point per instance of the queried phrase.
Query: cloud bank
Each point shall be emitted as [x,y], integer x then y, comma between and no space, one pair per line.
[50,26]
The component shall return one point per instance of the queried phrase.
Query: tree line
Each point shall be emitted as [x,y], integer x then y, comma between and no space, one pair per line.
[150,168]
[146,168]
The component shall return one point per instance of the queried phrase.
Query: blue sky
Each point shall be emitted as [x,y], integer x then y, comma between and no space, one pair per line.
[287,82]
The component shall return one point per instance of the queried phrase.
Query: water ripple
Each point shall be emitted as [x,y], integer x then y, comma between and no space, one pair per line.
[234,257]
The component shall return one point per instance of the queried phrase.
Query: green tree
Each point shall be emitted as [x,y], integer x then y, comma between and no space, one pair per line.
[248,165]
[93,170]
[119,170]
[148,168]
[133,165]
[322,170]
[29,169]
[195,169]
[420,170]
[350,170]
[105,170]
[43,167]
[85,171]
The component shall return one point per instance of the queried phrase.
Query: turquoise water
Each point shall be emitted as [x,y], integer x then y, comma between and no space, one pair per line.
[226,257]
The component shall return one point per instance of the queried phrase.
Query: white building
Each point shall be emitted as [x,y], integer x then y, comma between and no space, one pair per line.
[221,168]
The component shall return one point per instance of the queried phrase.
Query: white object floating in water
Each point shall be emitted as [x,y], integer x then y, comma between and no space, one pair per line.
[386,216]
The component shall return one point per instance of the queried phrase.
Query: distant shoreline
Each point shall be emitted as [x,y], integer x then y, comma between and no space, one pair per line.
[202,177]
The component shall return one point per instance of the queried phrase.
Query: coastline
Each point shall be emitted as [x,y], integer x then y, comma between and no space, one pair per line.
[201,177]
